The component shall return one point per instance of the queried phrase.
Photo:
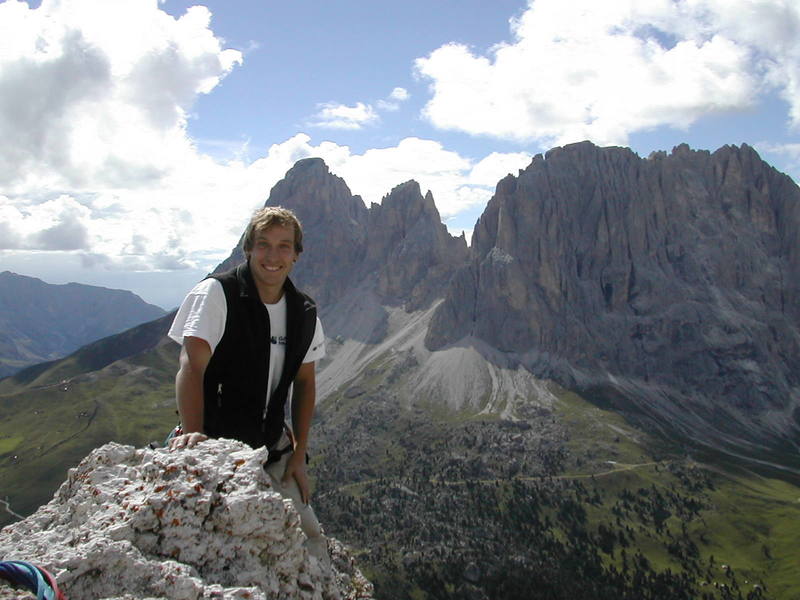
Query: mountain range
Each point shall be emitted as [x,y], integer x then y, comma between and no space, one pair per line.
[41,322]
[664,287]
[587,396]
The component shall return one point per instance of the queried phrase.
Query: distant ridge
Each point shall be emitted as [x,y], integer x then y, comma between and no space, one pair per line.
[41,322]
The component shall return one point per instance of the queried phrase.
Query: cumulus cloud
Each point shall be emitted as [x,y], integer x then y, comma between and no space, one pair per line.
[393,100]
[102,172]
[399,94]
[9,238]
[602,70]
[497,165]
[70,234]
[55,224]
[457,183]
[97,93]
[341,116]
[196,217]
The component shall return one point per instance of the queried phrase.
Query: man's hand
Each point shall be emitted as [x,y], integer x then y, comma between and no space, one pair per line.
[296,468]
[187,440]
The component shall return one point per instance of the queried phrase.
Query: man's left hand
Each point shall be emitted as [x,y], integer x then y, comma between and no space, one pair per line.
[296,468]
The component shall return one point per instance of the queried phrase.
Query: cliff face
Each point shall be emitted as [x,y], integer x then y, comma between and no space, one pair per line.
[334,225]
[668,285]
[679,272]
[409,248]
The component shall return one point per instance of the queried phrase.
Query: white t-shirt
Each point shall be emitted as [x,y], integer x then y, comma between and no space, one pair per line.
[203,315]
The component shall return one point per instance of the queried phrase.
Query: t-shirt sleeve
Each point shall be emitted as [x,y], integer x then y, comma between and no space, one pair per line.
[202,314]
[317,348]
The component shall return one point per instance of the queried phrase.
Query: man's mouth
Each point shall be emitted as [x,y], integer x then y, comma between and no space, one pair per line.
[273,269]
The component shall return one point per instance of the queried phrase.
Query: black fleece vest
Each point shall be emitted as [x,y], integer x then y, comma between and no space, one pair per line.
[235,382]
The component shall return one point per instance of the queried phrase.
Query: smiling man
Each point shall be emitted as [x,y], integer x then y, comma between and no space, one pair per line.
[249,341]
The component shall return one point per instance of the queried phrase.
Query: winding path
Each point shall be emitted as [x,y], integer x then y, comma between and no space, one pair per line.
[618,468]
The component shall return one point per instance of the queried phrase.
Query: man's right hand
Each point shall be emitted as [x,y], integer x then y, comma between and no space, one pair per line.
[187,440]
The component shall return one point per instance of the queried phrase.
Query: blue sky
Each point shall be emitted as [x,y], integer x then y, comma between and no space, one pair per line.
[146,132]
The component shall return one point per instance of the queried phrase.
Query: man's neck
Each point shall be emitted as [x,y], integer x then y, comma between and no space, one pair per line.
[270,295]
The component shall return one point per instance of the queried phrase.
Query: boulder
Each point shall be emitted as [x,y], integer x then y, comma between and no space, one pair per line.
[195,524]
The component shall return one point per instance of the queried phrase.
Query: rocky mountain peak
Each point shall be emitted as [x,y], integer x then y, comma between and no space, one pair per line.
[316,194]
[594,261]
[400,249]
[410,248]
[407,203]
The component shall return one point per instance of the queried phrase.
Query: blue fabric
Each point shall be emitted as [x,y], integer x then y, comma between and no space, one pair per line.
[25,574]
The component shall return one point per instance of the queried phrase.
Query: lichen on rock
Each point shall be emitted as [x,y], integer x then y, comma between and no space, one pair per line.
[195,524]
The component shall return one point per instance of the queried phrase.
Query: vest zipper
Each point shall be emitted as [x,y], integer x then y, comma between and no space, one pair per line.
[219,395]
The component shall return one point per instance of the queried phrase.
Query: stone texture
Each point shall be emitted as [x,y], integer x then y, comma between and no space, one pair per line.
[198,524]
[678,272]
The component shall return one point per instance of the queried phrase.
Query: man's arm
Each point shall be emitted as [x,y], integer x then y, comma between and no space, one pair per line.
[303,401]
[195,354]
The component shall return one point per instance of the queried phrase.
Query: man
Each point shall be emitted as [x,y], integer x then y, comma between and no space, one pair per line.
[249,338]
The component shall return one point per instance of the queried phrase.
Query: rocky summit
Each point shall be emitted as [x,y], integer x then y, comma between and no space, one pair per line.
[197,524]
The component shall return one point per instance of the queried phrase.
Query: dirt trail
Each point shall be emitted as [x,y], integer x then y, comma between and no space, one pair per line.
[618,468]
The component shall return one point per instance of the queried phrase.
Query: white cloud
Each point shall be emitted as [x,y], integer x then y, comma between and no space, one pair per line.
[399,94]
[496,165]
[457,183]
[602,70]
[392,102]
[196,216]
[95,94]
[103,173]
[341,116]
[55,224]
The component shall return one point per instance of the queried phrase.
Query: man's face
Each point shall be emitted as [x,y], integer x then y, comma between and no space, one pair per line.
[273,256]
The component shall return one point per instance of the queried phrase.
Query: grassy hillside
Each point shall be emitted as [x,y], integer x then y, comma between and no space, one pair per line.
[559,498]
[568,501]
[49,424]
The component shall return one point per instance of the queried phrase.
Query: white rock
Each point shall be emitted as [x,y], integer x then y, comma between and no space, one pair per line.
[197,524]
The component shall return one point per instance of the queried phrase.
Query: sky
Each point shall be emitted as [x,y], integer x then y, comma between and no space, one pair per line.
[139,135]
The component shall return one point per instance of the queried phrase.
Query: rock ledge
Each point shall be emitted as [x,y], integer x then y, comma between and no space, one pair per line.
[198,524]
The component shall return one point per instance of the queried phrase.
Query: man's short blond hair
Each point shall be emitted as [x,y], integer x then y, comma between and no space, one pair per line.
[270,216]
